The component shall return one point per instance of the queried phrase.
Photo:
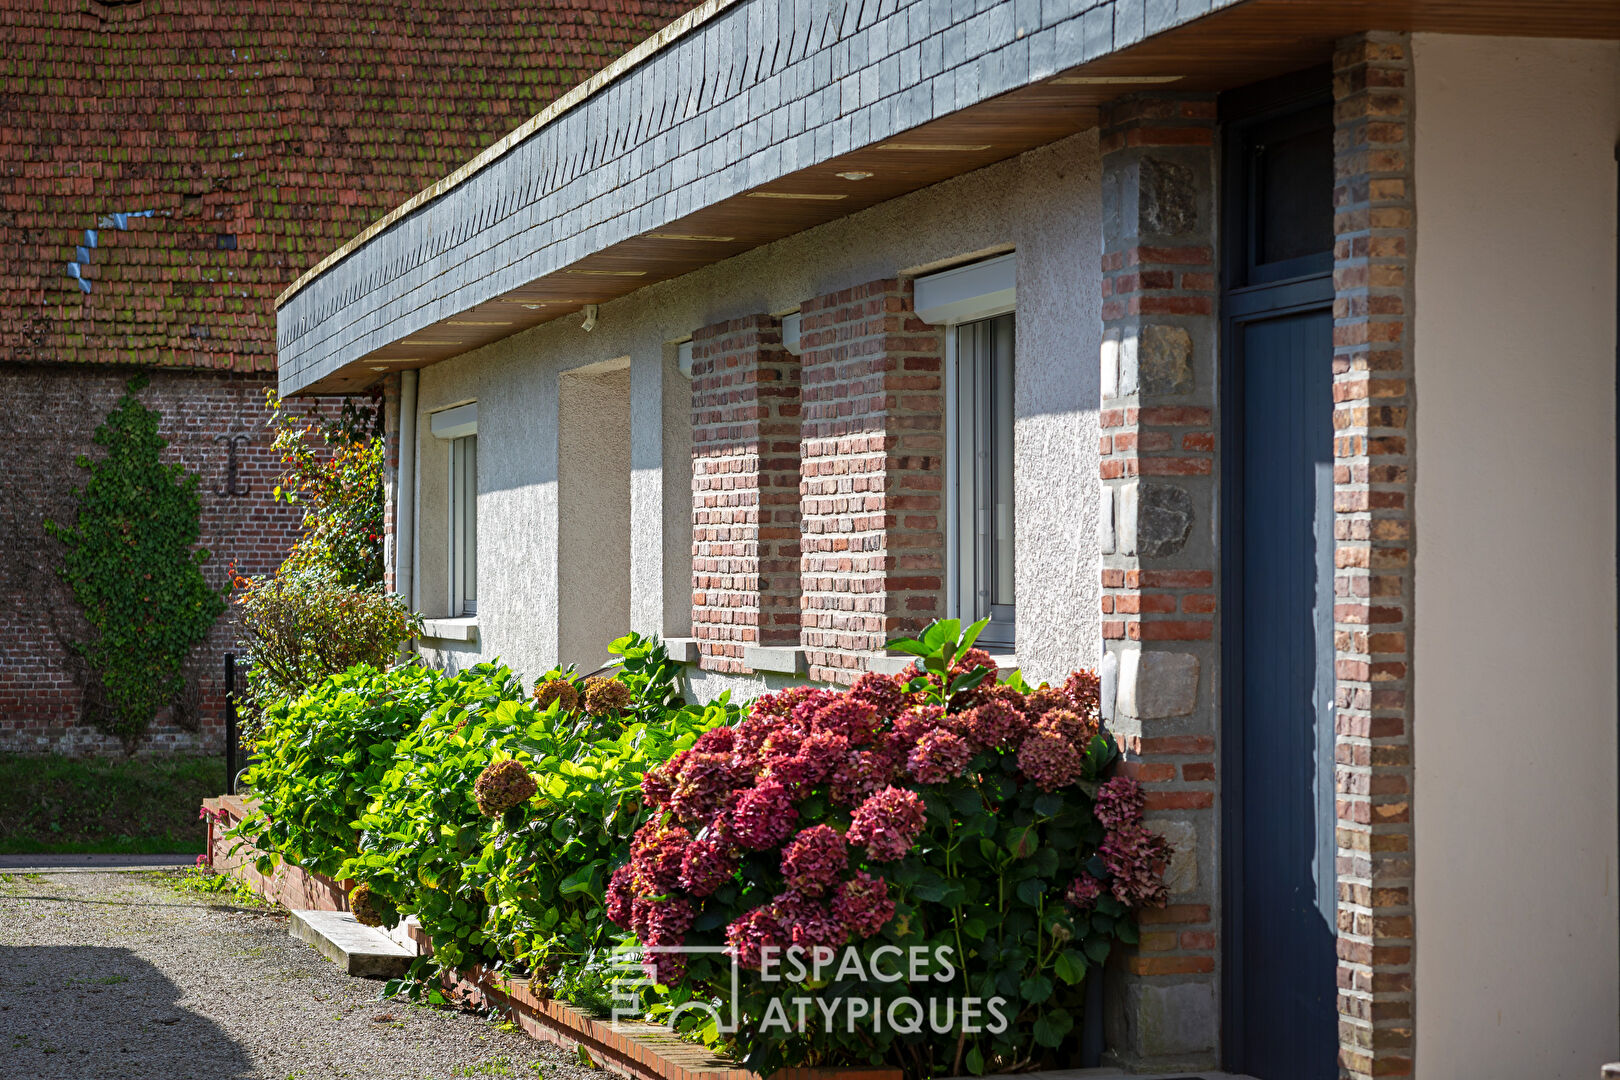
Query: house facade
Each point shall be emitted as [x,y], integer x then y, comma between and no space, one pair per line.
[1260,355]
[166,168]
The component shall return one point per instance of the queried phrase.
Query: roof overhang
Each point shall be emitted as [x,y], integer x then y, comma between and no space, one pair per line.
[692,149]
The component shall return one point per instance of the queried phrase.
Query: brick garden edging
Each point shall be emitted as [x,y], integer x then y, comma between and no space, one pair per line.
[652,1054]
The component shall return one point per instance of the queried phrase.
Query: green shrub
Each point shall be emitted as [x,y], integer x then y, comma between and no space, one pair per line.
[321,753]
[304,625]
[134,568]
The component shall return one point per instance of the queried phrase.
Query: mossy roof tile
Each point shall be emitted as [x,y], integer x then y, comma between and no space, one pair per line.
[269,122]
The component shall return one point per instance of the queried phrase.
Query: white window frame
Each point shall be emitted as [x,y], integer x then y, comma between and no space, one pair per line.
[458,426]
[953,299]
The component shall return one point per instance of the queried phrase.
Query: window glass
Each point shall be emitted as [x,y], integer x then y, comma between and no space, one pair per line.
[464,525]
[985,530]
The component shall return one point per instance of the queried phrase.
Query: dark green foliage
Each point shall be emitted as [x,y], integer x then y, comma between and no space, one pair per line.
[133,566]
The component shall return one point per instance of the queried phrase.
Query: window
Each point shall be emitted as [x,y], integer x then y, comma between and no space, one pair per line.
[458,428]
[983,475]
[464,525]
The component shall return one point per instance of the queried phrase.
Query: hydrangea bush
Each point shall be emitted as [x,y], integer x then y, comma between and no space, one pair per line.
[937,809]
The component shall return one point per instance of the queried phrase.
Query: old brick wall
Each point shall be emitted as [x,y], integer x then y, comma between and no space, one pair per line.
[51,414]
[873,475]
[745,490]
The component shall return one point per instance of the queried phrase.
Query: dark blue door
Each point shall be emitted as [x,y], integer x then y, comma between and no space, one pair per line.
[1280,986]
[1284,726]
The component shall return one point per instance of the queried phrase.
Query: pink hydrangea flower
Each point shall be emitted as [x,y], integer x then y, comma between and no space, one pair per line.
[1050,760]
[720,740]
[996,724]
[1040,702]
[888,823]
[885,693]
[655,856]
[815,860]
[621,894]
[748,935]
[661,922]
[762,816]
[1083,892]
[855,720]
[706,779]
[863,772]
[710,861]
[863,904]
[1136,857]
[822,753]
[1119,802]
[658,784]
[939,756]
[807,922]
[916,722]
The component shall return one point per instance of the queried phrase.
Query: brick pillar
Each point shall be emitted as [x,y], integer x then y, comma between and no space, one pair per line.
[745,490]
[1157,450]
[1372,418]
[872,490]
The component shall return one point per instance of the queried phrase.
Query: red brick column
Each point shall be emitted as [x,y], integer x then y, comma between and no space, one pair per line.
[745,490]
[873,475]
[1372,418]
[1160,336]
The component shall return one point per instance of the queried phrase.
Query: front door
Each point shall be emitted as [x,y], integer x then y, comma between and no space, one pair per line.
[1277,478]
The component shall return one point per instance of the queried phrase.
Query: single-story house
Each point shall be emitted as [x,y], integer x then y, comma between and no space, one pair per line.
[1259,353]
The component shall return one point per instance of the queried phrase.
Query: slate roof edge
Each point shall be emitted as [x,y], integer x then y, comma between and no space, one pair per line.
[580,93]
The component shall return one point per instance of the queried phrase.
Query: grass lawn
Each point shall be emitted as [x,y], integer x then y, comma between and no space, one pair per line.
[53,805]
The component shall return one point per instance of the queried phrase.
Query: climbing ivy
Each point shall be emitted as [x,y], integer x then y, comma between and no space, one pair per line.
[133,566]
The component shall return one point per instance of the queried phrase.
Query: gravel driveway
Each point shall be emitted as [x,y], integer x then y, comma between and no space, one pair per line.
[113,975]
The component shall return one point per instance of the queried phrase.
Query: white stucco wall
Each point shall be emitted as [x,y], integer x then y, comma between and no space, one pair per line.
[1518,962]
[1044,205]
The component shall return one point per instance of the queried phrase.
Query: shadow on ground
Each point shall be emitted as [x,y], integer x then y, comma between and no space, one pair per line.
[85,1011]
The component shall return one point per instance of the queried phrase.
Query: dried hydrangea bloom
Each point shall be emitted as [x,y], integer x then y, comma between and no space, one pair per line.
[1083,892]
[1136,858]
[815,860]
[1050,760]
[563,692]
[996,724]
[888,823]
[503,785]
[369,909]
[720,740]
[1119,802]
[1084,691]
[604,694]
[939,756]
[1077,728]
[762,816]
[1040,702]
[863,904]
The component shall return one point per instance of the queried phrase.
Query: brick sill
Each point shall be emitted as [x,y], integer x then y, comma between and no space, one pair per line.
[634,1051]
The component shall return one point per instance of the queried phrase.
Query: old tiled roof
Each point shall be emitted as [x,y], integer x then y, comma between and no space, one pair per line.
[168,166]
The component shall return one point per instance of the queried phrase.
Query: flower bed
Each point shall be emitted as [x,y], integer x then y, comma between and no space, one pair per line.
[766,859]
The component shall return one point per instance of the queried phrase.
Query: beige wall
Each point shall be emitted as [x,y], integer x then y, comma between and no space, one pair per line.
[1518,962]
